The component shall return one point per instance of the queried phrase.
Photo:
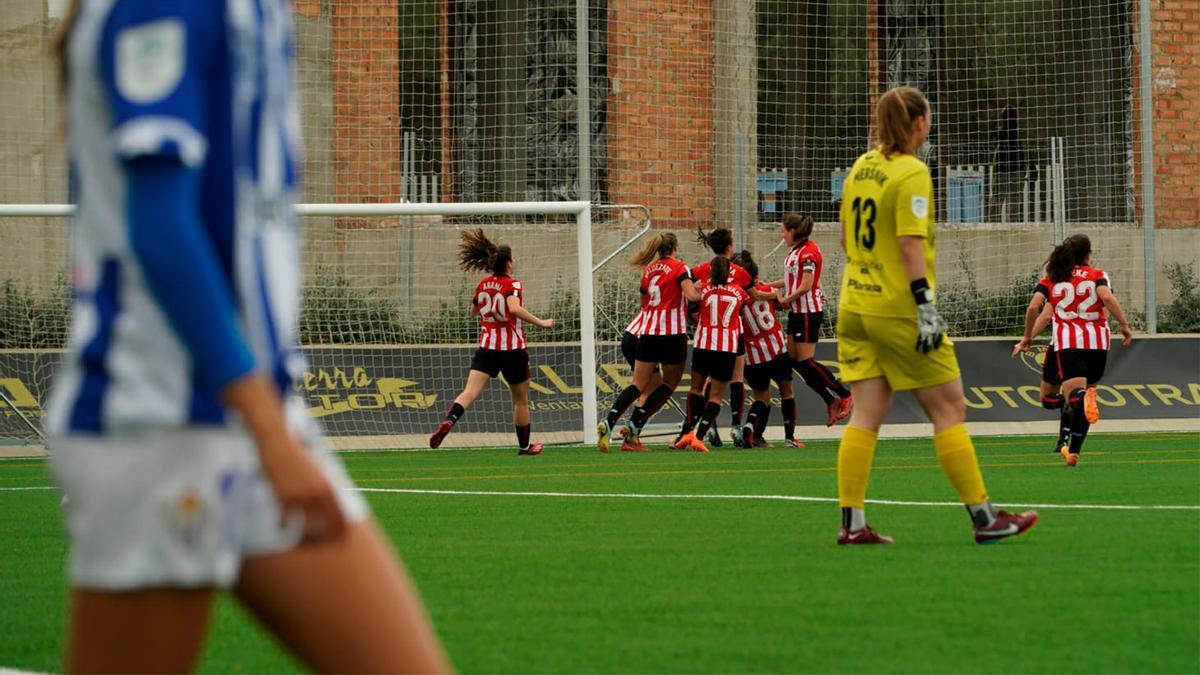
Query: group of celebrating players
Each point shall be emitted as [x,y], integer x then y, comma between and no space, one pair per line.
[737,339]
[891,336]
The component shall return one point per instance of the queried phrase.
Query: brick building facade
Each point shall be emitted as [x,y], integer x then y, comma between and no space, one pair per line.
[662,117]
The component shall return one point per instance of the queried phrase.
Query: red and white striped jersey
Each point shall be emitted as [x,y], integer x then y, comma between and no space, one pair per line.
[497,328]
[664,311]
[1079,318]
[720,325]
[762,332]
[738,276]
[804,258]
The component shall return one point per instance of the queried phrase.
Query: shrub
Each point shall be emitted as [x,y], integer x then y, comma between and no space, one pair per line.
[1183,314]
[32,319]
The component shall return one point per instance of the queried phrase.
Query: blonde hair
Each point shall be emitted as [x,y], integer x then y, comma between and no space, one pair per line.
[659,246]
[895,118]
[60,43]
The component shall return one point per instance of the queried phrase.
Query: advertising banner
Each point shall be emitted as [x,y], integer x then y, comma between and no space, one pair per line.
[406,390]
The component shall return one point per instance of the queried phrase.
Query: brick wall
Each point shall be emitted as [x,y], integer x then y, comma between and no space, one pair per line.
[1176,88]
[660,109]
[365,42]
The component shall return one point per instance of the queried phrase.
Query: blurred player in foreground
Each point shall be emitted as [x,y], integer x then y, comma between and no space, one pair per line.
[890,334]
[186,461]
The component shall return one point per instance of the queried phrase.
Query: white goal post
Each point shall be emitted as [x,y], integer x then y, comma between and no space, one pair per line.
[580,210]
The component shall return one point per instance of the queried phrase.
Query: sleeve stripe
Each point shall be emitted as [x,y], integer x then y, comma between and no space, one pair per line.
[151,136]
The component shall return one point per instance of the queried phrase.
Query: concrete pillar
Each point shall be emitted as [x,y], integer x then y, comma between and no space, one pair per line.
[735,113]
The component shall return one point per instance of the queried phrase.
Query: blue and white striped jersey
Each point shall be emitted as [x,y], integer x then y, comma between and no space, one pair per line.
[208,84]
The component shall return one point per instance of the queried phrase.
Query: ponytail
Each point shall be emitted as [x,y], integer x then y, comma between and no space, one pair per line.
[719,240]
[1066,256]
[801,226]
[478,253]
[718,272]
[661,245]
[895,119]
[745,260]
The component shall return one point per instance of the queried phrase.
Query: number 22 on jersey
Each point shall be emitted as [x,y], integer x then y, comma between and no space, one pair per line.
[1084,293]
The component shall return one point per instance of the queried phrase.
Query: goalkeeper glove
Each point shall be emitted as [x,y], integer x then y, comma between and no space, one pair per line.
[931,327]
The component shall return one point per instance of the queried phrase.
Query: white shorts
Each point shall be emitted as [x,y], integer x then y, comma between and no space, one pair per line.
[179,508]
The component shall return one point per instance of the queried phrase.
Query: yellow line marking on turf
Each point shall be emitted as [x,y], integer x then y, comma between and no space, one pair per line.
[719,472]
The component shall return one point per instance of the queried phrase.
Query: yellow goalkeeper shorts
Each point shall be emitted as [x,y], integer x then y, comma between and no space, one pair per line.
[876,346]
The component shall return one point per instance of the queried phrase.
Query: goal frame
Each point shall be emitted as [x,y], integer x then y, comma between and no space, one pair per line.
[582,210]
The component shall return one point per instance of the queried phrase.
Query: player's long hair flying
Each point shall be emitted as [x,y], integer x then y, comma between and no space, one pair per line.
[478,253]
[1063,259]
[719,240]
[659,246]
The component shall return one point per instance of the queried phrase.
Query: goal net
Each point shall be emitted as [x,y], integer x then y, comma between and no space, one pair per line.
[701,113]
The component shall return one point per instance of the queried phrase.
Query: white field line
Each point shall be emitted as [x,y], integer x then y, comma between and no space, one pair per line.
[767,498]
[777,498]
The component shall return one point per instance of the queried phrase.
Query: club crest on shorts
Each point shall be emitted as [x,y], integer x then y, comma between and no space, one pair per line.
[188,516]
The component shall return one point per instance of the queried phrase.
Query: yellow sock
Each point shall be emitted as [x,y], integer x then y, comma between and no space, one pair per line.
[854,466]
[956,453]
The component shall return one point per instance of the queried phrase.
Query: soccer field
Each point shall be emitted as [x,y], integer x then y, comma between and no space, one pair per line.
[679,562]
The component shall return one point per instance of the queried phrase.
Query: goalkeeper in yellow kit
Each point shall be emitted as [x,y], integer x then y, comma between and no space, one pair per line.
[890,335]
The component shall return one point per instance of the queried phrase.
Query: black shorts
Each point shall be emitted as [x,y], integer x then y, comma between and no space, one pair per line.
[715,365]
[514,363]
[806,327]
[760,375]
[1087,363]
[629,346]
[1050,367]
[669,350]
[741,346]
[629,343]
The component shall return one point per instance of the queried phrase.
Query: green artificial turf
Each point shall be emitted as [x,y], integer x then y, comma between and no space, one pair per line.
[624,584]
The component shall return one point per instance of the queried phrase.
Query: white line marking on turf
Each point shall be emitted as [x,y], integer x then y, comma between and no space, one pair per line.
[780,498]
[767,498]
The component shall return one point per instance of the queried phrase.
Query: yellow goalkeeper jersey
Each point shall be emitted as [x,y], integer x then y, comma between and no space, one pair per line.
[884,198]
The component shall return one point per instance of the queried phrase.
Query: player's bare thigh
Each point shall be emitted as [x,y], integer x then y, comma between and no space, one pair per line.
[347,606]
[872,400]
[152,630]
[943,403]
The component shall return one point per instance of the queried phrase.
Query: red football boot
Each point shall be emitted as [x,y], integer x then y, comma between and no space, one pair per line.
[438,436]
[533,449]
[864,536]
[1006,525]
